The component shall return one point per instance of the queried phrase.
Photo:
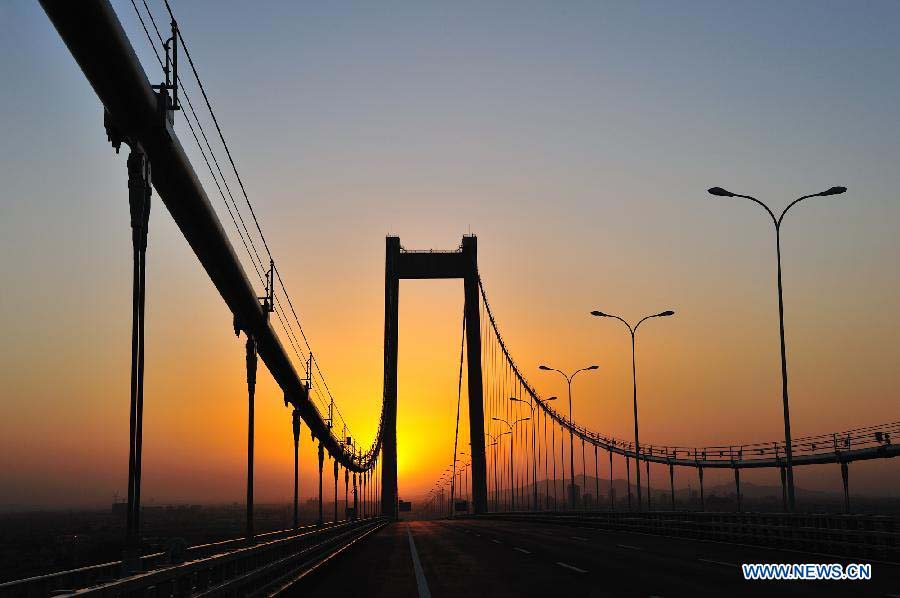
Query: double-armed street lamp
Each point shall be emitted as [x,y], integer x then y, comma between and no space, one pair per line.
[546,465]
[637,445]
[569,379]
[496,438]
[720,192]
[453,484]
[494,465]
[512,490]
[530,405]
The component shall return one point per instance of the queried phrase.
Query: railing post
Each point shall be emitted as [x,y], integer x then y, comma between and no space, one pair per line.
[845,475]
[612,491]
[355,499]
[335,490]
[251,394]
[139,192]
[296,426]
[784,502]
[628,478]
[672,483]
[346,491]
[702,501]
[648,485]
[737,485]
[321,518]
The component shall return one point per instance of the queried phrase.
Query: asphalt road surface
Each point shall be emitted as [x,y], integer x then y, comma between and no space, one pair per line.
[495,558]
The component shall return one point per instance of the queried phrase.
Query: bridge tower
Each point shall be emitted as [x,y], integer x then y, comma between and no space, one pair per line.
[462,263]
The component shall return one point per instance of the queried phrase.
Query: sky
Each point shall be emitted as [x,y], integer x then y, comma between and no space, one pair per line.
[576,139]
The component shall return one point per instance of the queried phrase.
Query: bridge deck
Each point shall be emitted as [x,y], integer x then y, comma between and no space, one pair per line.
[495,558]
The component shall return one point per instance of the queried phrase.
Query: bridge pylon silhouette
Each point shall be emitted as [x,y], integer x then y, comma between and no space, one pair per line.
[401,264]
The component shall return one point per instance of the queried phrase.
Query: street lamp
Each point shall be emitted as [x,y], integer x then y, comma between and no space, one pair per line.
[533,445]
[637,445]
[719,192]
[512,493]
[571,421]
[496,438]
[546,466]
[453,483]
[494,467]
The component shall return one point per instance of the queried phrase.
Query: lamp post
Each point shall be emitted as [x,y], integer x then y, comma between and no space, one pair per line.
[453,484]
[496,441]
[637,445]
[569,379]
[530,405]
[720,192]
[494,467]
[512,491]
[546,465]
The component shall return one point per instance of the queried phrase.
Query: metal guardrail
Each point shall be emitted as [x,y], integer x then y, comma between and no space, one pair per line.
[868,536]
[230,564]
[872,442]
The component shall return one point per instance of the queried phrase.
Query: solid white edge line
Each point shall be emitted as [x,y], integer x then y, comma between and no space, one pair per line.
[714,562]
[571,567]
[522,550]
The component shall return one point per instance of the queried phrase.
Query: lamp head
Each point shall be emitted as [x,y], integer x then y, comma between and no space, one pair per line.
[666,313]
[834,191]
[553,398]
[599,314]
[718,191]
[544,367]
[594,367]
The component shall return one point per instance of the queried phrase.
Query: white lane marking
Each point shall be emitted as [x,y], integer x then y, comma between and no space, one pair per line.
[477,535]
[723,563]
[570,567]
[579,538]
[628,546]
[421,583]
[496,541]
[522,550]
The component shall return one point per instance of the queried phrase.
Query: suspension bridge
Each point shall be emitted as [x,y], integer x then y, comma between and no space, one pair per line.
[510,518]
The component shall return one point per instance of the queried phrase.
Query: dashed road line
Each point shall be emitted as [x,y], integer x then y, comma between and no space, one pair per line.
[570,567]
[495,541]
[522,550]
[628,546]
[714,562]
[579,538]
